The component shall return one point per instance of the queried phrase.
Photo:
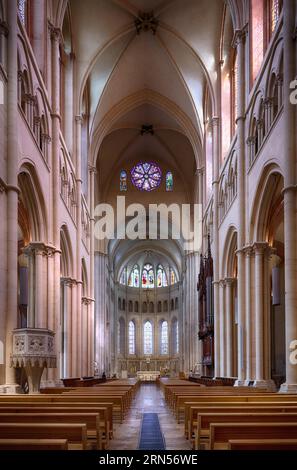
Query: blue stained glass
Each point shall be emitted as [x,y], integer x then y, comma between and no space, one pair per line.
[146,176]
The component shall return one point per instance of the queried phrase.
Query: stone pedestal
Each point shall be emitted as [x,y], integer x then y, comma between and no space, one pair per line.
[33,349]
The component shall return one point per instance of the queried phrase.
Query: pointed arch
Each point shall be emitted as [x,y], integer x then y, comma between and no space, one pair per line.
[270,180]
[32,198]
[66,252]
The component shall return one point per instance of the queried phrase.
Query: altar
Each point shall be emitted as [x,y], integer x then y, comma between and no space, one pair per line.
[148,375]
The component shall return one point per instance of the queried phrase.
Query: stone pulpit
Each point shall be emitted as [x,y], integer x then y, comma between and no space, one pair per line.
[33,349]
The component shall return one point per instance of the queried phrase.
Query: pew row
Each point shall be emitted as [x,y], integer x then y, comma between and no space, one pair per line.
[33,444]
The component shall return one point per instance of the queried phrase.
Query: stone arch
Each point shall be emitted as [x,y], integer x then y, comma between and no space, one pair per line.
[262,201]
[66,252]
[32,198]
[228,269]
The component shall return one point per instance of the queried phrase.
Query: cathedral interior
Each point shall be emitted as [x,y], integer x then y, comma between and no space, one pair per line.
[114,114]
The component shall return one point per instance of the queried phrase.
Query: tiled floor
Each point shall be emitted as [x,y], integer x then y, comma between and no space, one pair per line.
[149,399]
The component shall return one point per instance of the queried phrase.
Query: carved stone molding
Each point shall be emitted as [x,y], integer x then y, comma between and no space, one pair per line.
[239,36]
[55,33]
[34,347]
[146,21]
[86,300]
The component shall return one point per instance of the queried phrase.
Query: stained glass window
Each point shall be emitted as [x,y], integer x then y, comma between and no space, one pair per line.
[22,9]
[161,277]
[275,8]
[164,337]
[134,277]
[123,276]
[172,276]
[148,338]
[226,118]
[209,167]
[235,92]
[131,337]
[257,36]
[169,181]
[123,180]
[146,176]
[148,280]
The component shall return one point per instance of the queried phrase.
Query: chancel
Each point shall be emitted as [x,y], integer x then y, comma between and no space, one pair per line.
[148,263]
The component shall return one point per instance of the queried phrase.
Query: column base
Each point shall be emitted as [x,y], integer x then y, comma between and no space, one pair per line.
[10,389]
[288,388]
[267,384]
[249,383]
[239,383]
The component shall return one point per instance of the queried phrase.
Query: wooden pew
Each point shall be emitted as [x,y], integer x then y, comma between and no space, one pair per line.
[76,434]
[91,420]
[193,411]
[206,419]
[102,413]
[33,444]
[262,444]
[117,401]
[105,412]
[221,433]
[224,398]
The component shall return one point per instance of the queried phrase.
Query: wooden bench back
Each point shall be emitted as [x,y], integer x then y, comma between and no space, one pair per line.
[75,433]
[262,444]
[223,432]
[33,444]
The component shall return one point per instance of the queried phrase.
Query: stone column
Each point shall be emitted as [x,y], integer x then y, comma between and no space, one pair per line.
[290,223]
[239,42]
[268,112]
[222,329]
[39,293]
[229,326]
[85,302]
[56,121]
[68,286]
[259,312]
[248,314]
[74,327]
[12,192]
[102,342]
[216,164]
[279,91]
[78,121]
[92,176]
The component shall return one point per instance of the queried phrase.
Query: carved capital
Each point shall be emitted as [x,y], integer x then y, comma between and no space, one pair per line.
[199,171]
[92,169]
[229,281]
[214,122]
[268,102]
[55,33]
[239,36]
[79,119]
[260,247]
[251,140]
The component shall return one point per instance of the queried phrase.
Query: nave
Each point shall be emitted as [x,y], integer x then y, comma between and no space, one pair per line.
[149,399]
[127,415]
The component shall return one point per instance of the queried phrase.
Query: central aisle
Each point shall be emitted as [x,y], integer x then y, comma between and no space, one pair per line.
[149,400]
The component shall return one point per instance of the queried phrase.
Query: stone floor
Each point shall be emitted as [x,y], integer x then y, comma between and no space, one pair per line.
[149,399]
